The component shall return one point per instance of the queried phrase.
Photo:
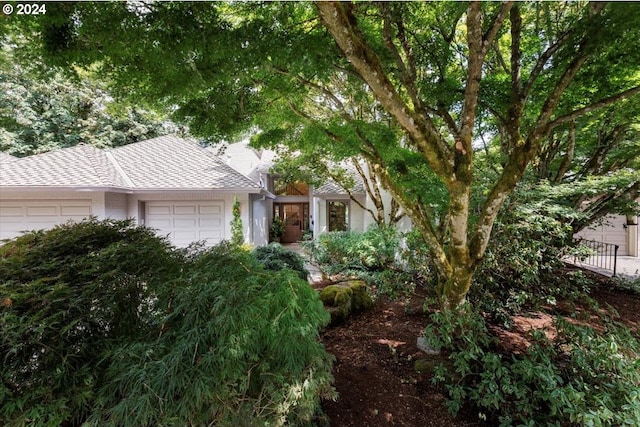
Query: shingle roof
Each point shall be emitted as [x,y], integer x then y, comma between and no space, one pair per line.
[79,166]
[166,162]
[331,187]
[246,159]
[6,157]
[171,162]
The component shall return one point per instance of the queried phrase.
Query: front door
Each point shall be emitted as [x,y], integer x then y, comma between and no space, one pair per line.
[295,217]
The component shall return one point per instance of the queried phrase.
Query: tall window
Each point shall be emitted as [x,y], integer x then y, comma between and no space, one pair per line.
[282,188]
[338,215]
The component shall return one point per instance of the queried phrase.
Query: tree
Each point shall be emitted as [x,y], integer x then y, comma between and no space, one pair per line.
[43,109]
[412,88]
[315,166]
[237,237]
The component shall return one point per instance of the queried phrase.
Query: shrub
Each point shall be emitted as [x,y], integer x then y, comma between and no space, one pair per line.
[238,345]
[373,250]
[237,236]
[103,323]
[369,256]
[68,297]
[519,269]
[581,378]
[275,257]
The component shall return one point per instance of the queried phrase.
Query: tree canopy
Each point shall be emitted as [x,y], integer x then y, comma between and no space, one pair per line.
[450,103]
[43,109]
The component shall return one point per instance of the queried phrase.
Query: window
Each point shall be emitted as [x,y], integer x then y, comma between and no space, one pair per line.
[338,215]
[298,188]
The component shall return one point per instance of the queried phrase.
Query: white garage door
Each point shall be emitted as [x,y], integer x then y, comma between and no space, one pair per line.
[187,222]
[613,231]
[19,216]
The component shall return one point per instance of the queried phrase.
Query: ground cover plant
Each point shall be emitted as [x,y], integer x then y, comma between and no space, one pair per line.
[275,257]
[579,377]
[104,323]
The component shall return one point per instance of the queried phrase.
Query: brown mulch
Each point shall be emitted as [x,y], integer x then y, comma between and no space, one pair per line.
[376,351]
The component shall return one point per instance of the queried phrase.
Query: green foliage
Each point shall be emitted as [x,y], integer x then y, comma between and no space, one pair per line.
[582,377]
[237,236]
[631,286]
[417,87]
[70,296]
[370,256]
[46,110]
[276,231]
[275,257]
[520,266]
[373,250]
[238,345]
[104,323]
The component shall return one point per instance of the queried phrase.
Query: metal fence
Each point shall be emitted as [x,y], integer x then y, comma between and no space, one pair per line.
[601,255]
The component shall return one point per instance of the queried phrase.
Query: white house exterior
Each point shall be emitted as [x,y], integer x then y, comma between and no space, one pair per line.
[167,183]
[618,230]
[186,192]
[181,189]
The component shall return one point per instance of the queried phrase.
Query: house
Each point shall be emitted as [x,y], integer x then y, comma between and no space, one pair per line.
[182,189]
[305,209]
[167,183]
[619,230]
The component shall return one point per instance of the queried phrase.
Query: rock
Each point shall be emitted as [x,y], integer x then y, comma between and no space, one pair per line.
[344,298]
[422,345]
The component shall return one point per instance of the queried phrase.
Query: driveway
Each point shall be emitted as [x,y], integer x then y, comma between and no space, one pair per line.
[628,267]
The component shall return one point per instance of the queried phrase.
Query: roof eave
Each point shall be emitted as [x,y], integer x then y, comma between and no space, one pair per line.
[78,188]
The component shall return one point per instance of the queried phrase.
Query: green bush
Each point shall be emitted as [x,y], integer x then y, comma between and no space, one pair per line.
[238,345]
[581,378]
[519,268]
[68,297]
[369,256]
[103,323]
[275,257]
[373,250]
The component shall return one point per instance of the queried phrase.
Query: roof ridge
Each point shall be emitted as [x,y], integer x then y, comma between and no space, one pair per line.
[119,169]
[222,162]
[89,151]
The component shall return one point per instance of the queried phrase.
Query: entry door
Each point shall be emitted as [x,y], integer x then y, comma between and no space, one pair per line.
[292,217]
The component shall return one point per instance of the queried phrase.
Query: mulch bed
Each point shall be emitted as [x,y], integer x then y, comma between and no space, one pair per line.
[375,354]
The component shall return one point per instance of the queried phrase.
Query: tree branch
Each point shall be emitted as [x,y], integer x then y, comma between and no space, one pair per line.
[342,25]
[589,108]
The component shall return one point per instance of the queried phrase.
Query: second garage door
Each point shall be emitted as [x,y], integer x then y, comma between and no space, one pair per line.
[613,231]
[18,216]
[187,222]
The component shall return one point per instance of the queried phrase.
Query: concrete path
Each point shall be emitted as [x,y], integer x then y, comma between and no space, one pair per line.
[315,275]
[627,267]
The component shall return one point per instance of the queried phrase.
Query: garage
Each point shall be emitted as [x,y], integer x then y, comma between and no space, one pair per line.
[19,216]
[186,222]
[613,231]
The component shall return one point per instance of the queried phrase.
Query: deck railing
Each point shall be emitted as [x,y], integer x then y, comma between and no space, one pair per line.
[601,255]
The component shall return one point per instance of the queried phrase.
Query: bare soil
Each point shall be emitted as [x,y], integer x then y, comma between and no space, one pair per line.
[376,352]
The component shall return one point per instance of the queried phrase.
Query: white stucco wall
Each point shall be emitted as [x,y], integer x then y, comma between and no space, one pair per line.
[116,205]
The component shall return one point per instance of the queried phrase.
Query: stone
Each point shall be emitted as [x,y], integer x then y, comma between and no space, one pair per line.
[422,345]
[344,298]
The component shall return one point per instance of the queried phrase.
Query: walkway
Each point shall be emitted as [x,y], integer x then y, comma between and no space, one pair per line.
[314,272]
[627,267]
